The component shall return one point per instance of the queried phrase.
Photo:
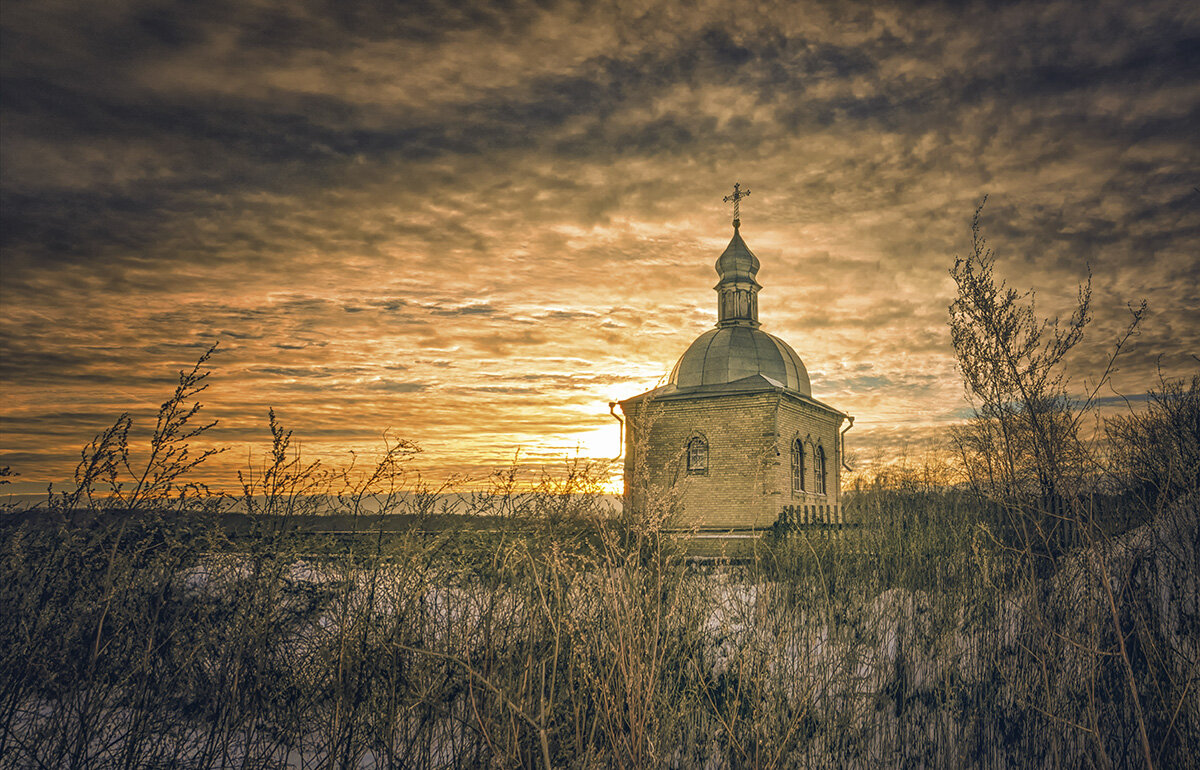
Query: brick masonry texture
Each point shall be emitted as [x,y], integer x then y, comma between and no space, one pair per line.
[748,481]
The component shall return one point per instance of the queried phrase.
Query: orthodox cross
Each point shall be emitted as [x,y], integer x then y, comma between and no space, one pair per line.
[738,194]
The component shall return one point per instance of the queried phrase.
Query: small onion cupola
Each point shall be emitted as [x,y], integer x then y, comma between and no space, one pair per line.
[737,291]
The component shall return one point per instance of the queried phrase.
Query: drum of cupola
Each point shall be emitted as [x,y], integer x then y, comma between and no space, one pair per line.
[737,290]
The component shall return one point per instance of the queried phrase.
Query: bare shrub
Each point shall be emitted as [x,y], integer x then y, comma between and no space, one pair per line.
[1086,664]
[1154,454]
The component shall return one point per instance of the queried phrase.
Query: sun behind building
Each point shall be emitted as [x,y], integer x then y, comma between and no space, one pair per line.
[735,438]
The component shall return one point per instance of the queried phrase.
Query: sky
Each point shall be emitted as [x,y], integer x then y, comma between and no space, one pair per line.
[473,224]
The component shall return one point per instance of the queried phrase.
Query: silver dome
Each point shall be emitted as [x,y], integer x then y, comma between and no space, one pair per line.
[730,353]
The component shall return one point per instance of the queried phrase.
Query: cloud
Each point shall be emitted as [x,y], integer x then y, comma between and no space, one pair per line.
[518,206]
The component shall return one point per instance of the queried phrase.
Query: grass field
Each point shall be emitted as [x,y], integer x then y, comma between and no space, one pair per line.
[918,638]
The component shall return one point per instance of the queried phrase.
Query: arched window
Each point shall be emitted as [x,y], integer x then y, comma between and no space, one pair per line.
[820,469]
[797,466]
[697,455]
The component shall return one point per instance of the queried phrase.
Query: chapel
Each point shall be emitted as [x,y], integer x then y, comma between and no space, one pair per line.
[735,440]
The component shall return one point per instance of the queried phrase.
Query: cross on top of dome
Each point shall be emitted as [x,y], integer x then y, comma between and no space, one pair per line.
[736,199]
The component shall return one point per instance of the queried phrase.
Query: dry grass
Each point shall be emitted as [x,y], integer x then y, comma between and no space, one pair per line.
[914,636]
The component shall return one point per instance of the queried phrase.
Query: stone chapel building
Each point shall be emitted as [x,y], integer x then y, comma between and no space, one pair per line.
[735,438]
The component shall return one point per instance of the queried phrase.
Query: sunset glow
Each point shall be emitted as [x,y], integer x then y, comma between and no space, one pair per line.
[473,228]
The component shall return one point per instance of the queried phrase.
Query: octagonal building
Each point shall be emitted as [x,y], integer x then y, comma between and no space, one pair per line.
[734,440]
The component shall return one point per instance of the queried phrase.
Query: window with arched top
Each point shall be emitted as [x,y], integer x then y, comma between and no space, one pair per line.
[697,455]
[820,470]
[797,466]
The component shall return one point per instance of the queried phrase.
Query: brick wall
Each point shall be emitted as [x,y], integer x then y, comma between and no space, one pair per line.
[747,483]
[814,427]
